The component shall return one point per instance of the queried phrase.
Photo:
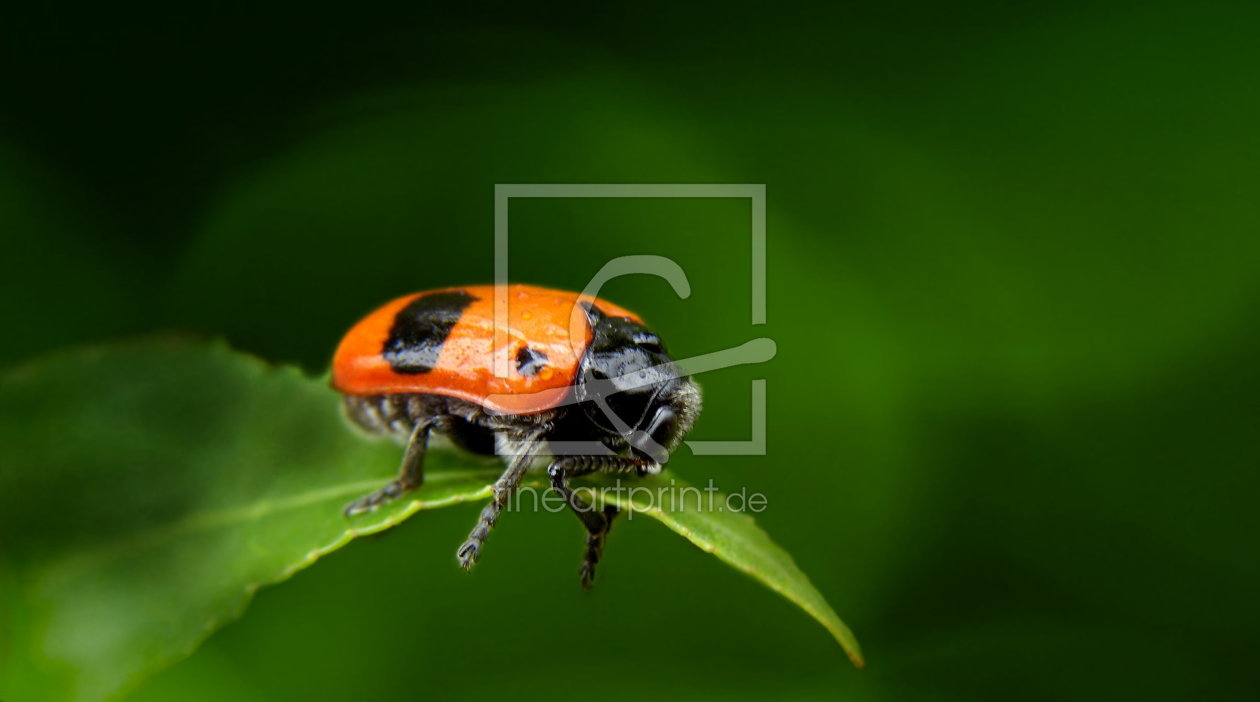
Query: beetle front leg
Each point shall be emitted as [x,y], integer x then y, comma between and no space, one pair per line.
[595,547]
[597,523]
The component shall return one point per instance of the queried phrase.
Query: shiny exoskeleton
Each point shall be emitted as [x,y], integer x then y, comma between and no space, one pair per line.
[590,386]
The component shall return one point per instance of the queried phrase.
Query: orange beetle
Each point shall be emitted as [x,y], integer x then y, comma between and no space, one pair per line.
[556,373]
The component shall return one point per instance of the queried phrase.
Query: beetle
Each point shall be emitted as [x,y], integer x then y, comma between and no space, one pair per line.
[561,374]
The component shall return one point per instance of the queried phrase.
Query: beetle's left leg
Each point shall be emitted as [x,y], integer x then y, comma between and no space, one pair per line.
[523,454]
[597,523]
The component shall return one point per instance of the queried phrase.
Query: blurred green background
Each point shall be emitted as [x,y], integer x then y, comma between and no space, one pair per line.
[1013,279]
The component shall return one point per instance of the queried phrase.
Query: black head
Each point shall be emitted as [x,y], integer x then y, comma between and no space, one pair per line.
[630,389]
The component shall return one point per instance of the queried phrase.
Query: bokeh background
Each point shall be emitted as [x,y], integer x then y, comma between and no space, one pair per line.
[1013,279]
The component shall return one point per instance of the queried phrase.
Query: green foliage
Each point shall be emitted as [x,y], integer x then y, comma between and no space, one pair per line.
[1011,278]
[157,486]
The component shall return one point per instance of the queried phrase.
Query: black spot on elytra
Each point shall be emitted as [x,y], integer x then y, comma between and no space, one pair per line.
[420,329]
[530,361]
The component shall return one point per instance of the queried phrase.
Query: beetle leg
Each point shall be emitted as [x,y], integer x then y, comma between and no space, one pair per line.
[410,473]
[597,523]
[504,487]
[595,547]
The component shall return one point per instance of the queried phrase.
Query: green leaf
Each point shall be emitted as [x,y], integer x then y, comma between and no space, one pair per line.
[705,519]
[148,490]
